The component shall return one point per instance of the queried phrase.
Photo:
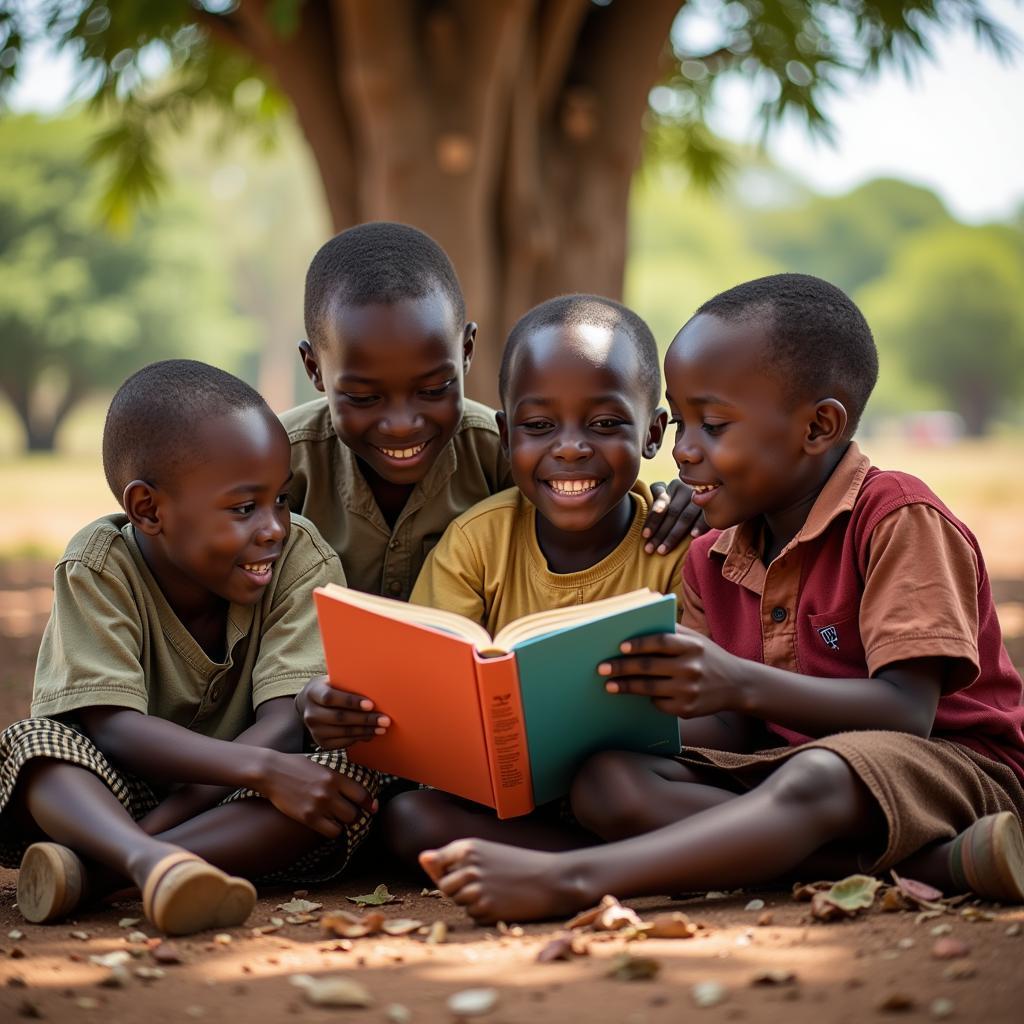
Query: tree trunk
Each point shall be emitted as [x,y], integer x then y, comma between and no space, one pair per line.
[40,427]
[495,127]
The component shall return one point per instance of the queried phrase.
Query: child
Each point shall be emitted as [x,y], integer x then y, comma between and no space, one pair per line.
[165,747]
[394,452]
[579,386]
[847,700]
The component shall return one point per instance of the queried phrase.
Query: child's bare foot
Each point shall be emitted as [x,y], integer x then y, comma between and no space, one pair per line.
[494,882]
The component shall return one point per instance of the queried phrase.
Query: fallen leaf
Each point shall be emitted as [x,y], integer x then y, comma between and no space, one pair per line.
[352,926]
[626,967]
[115,959]
[949,949]
[472,1002]
[778,976]
[300,918]
[118,977]
[166,953]
[896,1002]
[976,914]
[564,946]
[960,971]
[336,991]
[893,900]
[277,922]
[928,915]
[150,973]
[136,937]
[128,922]
[87,1003]
[299,906]
[917,891]
[431,892]
[377,898]
[942,929]
[401,926]
[438,933]
[856,892]
[15,934]
[265,929]
[755,905]
[803,892]
[81,936]
[1012,929]
[707,993]
[823,909]
[514,930]
[674,925]
[585,918]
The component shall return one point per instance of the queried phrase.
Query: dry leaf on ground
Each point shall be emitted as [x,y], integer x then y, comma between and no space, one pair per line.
[299,906]
[564,946]
[332,991]
[377,898]
[626,967]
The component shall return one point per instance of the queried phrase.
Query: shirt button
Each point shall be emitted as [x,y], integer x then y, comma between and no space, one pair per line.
[778,614]
[215,694]
[392,544]
[395,587]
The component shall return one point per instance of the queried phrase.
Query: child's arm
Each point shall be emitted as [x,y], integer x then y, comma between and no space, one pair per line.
[688,675]
[164,752]
[672,518]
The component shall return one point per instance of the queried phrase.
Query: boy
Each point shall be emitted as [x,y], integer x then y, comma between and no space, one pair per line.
[580,387]
[181,632]
[394,452]
[844,673]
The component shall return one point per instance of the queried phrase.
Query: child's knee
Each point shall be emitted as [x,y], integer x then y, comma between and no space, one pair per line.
[414,821]
[817,779]
[608,791]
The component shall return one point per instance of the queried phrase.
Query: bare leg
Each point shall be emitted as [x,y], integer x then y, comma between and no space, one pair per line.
[756,837]
[421,819]
[618,794]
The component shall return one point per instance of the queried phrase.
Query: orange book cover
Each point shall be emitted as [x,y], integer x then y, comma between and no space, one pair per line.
[457,721]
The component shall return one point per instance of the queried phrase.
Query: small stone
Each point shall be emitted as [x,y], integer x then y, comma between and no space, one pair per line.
[17,953]
[223,939]
[116,959]
[332,991]
[150,973]
[81,936]
[117,978]
[299,907]
[165,953]
[87,1003]
[15,934]
[195,1011]
[1013,929]
[948,948]
[896,1002]
[707,994]
[941,1008]
[128,922]
[137,937]
[905,944]
[473,1002]
[396,1013]
[765,919]
[960,971]
[277,922]
[755,905]
[777,976]
[438,933]
[941,929]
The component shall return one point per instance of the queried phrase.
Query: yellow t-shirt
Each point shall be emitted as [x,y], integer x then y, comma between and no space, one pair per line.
[113,640]
[489,567]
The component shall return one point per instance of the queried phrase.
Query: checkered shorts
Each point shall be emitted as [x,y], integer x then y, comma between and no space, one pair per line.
[46,737]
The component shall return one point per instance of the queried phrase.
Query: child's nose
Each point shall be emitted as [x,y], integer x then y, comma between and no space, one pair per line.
[401,423]
[571,448]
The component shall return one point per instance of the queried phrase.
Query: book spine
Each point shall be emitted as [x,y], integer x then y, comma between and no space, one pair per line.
[501,709]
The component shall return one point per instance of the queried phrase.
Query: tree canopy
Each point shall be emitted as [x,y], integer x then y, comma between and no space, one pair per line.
[510,130]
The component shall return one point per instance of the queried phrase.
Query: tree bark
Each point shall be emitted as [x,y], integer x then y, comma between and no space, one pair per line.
[508,130]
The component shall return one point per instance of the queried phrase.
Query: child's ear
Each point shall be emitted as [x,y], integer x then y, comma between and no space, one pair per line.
[826,427]
[468,344]
[655,432]
[503,431]
[142,504]
[310,364]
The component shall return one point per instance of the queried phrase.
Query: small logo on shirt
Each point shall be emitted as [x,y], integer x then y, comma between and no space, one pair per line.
[831,636]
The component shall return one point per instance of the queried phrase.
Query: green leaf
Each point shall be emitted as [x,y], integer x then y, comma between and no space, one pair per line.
[377,898]
[857,892]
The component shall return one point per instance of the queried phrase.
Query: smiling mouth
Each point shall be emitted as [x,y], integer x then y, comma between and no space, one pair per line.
[572,487]
[703,488]
[258,568]
[402,453]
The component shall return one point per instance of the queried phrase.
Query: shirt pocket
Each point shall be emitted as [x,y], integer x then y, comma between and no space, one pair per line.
[829,645]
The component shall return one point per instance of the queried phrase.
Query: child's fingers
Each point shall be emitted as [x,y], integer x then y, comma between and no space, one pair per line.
[667,644]
[661,498]
[331,697]
[643,686]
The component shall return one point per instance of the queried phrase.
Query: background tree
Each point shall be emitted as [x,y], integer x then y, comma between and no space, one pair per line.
[951,311]
[81,308]
[510,130]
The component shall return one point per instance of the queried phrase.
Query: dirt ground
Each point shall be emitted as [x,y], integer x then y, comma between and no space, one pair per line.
[873,966]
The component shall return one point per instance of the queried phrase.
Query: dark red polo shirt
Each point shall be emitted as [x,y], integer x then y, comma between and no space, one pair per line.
[880,572]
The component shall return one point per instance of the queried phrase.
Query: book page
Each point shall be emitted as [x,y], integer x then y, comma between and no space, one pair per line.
[539,623]
[418,615]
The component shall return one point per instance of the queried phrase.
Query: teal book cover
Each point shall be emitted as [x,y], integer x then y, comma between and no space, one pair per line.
[569,714]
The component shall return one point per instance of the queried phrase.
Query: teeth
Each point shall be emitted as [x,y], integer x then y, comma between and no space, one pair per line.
[403,453]
[703,488]
[257,567]
[572,486]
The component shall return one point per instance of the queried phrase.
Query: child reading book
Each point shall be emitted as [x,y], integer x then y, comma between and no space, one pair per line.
[165,749]
[847,700]
[580,387]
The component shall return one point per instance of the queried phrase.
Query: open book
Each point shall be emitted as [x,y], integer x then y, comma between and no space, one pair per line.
[504,721]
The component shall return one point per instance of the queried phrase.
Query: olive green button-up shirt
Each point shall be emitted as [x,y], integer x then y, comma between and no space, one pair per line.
[329,488]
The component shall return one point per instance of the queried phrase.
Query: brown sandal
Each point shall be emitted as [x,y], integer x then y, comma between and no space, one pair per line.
[51,882]
[185,894]
[988,858]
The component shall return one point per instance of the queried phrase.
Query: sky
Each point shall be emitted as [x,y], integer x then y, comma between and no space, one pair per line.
[957,127]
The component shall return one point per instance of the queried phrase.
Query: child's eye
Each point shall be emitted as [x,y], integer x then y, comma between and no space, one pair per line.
[358,399]
[245,509]
[282,500]
[537,425]
[607,423]
[438,390]
[714,429]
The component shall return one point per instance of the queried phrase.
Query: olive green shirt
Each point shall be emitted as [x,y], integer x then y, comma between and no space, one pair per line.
[329,488]
[113,640]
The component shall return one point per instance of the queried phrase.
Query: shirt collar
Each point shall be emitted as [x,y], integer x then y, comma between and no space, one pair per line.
[741,544]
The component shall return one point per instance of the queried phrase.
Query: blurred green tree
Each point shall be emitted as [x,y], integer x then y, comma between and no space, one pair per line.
[950,310]
[510,130]
[81,307]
